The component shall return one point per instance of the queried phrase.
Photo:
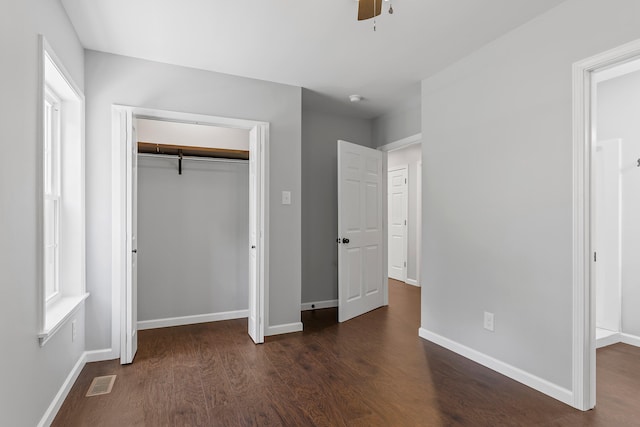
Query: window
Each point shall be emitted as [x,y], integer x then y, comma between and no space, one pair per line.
[61,235]
[51,221]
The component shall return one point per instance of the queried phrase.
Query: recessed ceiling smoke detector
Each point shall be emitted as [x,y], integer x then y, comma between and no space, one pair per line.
[355,98]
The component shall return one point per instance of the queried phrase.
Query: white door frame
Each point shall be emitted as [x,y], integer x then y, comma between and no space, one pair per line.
[584,342]
[419,224]
[118,220]
[396,145]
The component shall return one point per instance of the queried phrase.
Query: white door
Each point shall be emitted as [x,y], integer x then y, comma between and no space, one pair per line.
[607,188]
[130,338]
[397,217]
[256,329]
[360,246]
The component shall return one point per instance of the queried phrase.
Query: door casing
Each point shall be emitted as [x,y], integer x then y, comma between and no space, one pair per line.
[584,310]
[119,217]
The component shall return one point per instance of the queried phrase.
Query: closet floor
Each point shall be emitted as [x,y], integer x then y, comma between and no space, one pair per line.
[372,370]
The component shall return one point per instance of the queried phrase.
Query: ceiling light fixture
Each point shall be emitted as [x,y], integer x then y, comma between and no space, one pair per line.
[368,9]
[355,98]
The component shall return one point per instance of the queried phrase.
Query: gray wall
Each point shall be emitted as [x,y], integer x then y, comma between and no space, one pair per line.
[193,234]
[320,135]
[117,79]
[617,117]
[497,187]
[410,156]
[31,375]
[403,121]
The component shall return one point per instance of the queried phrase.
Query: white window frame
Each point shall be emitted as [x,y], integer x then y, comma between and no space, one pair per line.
[51,151]
[61,176]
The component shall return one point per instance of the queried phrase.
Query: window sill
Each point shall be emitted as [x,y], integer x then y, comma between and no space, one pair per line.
[57,314]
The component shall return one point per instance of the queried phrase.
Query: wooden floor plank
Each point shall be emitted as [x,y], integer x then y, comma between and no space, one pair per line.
[370,371]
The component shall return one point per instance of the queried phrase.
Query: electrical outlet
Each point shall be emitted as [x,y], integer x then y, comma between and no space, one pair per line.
[488,321]
[73,330]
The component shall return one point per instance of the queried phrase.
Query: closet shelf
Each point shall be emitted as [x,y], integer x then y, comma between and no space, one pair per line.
[184,150]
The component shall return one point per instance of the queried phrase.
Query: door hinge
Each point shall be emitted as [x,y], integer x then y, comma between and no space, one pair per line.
[405,222]
[405,180]
[405,263]
[595,257]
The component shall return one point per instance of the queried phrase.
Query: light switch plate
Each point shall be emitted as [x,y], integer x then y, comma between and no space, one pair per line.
[286,197]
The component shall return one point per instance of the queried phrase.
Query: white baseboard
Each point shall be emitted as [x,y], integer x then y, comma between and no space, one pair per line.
[608,340]
[412,282]
[283,329]
[305,306]
[630,339]
[99,355]
[59,398]
[618,337]
[562,394]
[189,320]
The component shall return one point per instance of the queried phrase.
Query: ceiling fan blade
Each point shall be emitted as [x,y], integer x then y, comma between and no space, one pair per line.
[368,9]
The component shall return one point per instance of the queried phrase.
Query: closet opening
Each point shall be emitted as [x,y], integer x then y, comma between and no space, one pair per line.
[193,223]
[190,222]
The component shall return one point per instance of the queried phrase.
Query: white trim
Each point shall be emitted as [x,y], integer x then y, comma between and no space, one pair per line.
[630,339]
[614,338]
[191,320]
[584,342]
[385,232]
[57,315]
[412,282]
[617,71]
[118,226]
[286,328]
[53,315]
[64,390]
[401,143]
[98,355]
[118,187]
[419,223]
[560,393]
[317,305]
[618,337]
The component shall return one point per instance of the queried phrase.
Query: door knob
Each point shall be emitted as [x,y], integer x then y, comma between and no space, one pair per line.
[253,246]
[135,251]
[345,240]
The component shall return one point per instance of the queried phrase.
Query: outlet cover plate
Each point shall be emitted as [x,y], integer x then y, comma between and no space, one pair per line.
[488,321]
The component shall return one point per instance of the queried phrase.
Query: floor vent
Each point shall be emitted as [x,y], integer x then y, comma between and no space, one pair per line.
[101,385]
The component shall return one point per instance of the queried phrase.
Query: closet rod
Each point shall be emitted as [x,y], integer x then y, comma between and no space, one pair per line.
[202,159]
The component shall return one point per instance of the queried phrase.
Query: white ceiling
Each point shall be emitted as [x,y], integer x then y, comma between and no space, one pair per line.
[316,44]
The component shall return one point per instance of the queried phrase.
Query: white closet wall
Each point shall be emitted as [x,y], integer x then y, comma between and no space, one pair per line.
[193,238]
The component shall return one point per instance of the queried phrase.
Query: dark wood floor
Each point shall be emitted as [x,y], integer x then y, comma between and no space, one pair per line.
[370,371]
